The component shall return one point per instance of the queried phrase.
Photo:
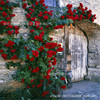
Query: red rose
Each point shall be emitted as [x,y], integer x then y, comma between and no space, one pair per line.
[31,59]
[59,49]
[16,32]
[49,65]
[49,61]
[28,87]
[32,31]
[47,77]
[53,68]
[39,38]
[63,87]
[1,51]
[81,5]
[48,71]
[80,17]
[50,45]
[4,56]
[35,53]
[30,23]
[45,12]
[36,3]
[42,33]
[35,70]
[86,8]
[33,85]
[62,78]
[22,80]
[2,2]
[7,1]
[32,80]
[45,17]
[9,32]
[42,80]
[27,56]
[13,50]
[12,15]
[33,18]
[39,85]
[43,5]
[14,57]
[74,11]
[69,6]
[33,6]
[0,8]
[4,14]
[8,18]
[41,48]
[28,15]
[41,28]
[62,17]
[54,62]
[46,7]
[51,39]
[37,23]
[10,26]
[24,5]
[47,26]
[45,93]
[41,1]
[9,44]
[8,22]
[40,14]
[30,68]
[32,10]
[16,27]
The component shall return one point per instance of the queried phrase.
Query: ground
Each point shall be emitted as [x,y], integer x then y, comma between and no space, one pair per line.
[83,90]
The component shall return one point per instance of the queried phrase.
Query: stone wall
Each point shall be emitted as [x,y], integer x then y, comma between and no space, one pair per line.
[19,19]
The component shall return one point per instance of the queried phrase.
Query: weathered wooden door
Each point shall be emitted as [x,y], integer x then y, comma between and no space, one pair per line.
[77,52]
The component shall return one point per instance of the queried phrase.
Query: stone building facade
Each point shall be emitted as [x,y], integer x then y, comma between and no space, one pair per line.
[89,33]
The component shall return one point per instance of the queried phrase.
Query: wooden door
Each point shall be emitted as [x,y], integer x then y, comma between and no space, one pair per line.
[77,53]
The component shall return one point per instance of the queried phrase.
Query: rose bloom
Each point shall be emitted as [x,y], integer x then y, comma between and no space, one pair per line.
[4,14]
[45,17]
[24,5]
[1,51]
[35,70]
[63,87]
[41,1]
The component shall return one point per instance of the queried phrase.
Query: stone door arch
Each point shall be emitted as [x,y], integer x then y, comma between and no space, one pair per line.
[76,53]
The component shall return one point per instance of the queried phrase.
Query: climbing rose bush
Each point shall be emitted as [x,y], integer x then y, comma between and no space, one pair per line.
[78,13]
[37,69]
[6,15]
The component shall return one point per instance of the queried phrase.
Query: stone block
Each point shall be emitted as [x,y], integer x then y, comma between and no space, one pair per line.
[94,73]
